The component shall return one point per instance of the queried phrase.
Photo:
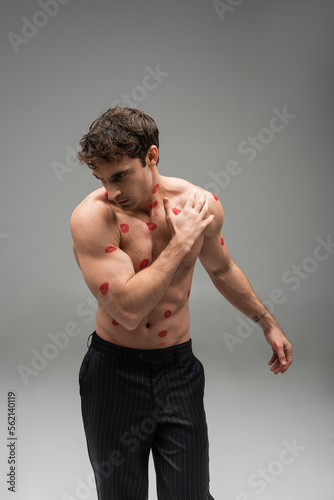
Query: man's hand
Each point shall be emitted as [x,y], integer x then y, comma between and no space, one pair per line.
[282,350]
[188,225]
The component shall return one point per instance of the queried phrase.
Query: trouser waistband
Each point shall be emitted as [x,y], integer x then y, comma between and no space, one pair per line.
[140,355]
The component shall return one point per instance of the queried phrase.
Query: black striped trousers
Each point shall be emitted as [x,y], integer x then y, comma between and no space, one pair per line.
[135,401]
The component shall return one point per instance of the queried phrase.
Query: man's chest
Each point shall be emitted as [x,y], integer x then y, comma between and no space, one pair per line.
[145,238]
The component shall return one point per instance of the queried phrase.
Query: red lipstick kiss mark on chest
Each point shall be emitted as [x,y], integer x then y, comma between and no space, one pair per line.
[215,197]
[124,228]
[163,333]
[151,225]
[176,211]
[155,189]
[110,249]
[144,263]
[114,322]
[104,288]
[167,313]
[154,204]
[222,241]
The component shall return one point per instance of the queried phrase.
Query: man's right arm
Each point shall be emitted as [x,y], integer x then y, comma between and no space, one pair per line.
[128,296]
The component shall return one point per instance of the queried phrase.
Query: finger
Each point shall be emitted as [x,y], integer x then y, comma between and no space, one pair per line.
[281,354]
[288,354]
[284,368]
[208,221]
[166,203]
[276,367]
[199,202]
[191,199]
[273,359]
[205,206]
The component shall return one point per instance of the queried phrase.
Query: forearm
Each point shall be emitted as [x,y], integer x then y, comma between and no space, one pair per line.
[143,291]
[235,287]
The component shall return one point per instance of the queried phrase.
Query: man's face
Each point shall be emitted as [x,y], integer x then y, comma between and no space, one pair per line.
[128,183]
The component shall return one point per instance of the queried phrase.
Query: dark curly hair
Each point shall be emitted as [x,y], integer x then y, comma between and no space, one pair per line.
[117,132]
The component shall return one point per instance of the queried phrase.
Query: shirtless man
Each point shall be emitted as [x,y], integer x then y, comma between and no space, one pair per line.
[136,241]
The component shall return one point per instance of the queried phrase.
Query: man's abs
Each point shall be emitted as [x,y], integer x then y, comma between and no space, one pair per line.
[166,325]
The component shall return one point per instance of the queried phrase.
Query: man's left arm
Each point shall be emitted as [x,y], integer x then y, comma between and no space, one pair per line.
[232,283]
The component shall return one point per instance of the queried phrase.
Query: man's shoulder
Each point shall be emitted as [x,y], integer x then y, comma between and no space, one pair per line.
[92,214]
[180,187]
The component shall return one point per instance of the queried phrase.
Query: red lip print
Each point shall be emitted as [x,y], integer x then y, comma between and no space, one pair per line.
[167,313]
[155,189]
[176,211]
[144,263]
[163,333]
[151,225]
[188,293]
[154,204]
[110,249]
[114,322]
[124,228]
[222,241]
[215,197]
[106,194]
[104,288]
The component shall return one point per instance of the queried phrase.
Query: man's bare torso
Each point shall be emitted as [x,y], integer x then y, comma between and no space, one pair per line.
[143,236]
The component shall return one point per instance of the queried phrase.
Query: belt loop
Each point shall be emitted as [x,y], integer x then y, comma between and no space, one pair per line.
[125,356]
[88,340]
[176,354]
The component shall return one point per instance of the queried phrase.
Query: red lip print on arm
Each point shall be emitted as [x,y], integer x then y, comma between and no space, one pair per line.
[222,242]
[104,288]
[124,228]
[110,249]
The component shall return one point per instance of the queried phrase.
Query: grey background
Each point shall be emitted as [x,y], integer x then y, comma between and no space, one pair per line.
[225,75]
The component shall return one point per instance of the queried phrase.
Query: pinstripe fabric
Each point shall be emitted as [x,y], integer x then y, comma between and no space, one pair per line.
[135,401]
